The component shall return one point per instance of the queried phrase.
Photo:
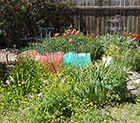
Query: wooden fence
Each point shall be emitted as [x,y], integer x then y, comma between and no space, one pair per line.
[91,15]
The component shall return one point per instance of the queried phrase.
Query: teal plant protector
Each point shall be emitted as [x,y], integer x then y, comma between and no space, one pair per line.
[81,58]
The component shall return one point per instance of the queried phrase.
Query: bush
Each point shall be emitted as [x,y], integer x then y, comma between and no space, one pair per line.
[25,17]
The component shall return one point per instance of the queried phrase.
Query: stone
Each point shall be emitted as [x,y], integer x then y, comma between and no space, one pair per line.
[137,81]
[107,61]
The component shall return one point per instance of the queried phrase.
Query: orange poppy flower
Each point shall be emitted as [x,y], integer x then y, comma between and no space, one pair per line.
[78,32]
[125,33]
[92,34]
[31,4]
[68,32]
[53,38]
[135,35]
[65,34]
[74,31]
[57,34]
[71,40]
[30,9]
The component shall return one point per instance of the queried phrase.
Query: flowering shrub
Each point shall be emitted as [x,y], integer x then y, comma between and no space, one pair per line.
[26,16]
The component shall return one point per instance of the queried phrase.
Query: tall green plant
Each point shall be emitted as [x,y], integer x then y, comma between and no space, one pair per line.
[27,76]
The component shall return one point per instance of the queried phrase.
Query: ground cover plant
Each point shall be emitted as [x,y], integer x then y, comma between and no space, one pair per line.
[95,93]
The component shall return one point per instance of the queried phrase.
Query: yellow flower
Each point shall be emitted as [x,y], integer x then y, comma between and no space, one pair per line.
[76,114]
[91,103]
[104,120]
[2,89]
[138,100]
[103,55]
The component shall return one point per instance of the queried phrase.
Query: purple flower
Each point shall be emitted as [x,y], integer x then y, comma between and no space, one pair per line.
[7,82]
[63,79]
[45,81]
[55,79]
[40,94]
[31,97]
[110,88]
[129,49]
[113,91]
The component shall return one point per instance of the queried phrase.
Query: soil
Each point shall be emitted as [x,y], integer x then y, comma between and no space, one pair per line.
[8,57]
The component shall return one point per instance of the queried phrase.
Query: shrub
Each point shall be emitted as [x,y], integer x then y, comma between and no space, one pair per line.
[25,17]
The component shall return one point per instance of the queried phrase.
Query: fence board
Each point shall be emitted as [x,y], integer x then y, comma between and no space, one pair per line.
[92,15]
[94,18]
[133,18]
[97,19]
[139,21]
[129,20]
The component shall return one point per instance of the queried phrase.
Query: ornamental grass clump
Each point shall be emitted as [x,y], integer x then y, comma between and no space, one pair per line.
[27,76]
[95,82]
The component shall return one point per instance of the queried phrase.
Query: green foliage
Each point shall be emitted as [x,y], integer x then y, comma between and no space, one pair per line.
[3,72]
[27,76]
[25,17]
[136,60]
[74,94]
[80,44]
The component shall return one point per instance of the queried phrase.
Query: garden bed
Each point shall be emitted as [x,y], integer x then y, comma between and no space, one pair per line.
[12,57]
[92,93]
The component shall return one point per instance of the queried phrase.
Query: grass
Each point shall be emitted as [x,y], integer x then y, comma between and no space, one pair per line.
[125,113]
